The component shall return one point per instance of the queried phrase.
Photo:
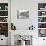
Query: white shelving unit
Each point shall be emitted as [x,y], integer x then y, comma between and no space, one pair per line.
[42,19]
[4,21]
[4,15]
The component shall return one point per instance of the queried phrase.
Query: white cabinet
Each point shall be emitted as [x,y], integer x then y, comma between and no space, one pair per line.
[42,23]
[3,40]
[3,22]
[41,41]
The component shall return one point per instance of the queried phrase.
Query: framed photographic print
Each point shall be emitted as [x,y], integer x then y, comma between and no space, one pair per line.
[22,14]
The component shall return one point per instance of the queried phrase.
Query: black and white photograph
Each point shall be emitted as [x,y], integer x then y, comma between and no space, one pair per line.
[22,14]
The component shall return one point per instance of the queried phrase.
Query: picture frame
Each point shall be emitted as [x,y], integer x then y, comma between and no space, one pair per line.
[22,14]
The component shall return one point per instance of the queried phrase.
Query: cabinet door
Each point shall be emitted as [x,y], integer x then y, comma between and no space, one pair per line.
[41,41]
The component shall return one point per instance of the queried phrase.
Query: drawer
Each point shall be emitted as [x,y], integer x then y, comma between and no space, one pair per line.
[3,41]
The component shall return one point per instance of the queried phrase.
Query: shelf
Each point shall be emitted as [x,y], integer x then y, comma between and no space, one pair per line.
[41,22]
[3,10]
[42,16]
[41,10]
[41,28]
[3,22]
[3,16]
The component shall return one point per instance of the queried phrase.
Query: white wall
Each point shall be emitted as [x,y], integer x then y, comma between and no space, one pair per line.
[32,5]
[23,24]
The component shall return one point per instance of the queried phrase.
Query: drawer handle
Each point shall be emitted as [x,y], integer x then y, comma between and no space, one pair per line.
[1,39]
[43,39]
